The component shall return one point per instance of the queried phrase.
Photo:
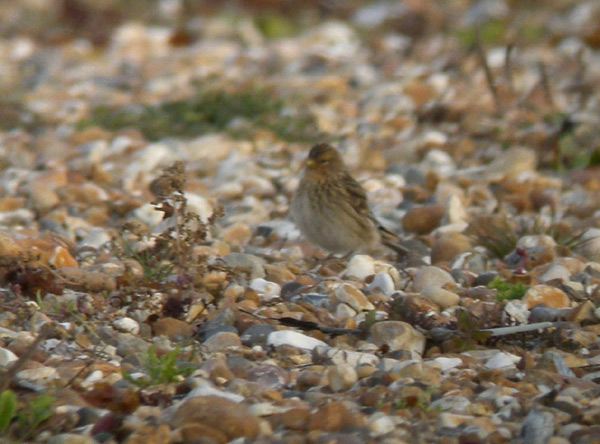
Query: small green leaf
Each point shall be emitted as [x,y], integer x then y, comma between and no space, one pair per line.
[8,409]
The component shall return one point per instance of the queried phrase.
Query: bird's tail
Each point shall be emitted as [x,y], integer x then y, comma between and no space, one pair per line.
[392,241]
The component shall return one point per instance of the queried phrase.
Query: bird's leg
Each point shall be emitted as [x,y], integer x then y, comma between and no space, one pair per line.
[322,262]
[331,257]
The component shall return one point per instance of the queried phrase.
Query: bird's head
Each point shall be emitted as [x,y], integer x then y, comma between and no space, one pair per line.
[324,160]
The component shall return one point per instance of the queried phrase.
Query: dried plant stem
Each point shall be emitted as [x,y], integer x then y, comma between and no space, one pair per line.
[502,331]
[488,72]
[508,68]
[7,375]
[546,84]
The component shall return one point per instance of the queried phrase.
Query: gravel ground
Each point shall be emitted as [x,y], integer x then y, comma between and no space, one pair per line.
[153,289]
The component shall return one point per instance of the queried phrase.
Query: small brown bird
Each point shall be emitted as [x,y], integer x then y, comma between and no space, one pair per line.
[330,207]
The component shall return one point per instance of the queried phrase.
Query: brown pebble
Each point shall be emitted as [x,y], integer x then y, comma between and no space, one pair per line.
[423,220]
[333,417]
[217,413]
[172,328]
[448,246]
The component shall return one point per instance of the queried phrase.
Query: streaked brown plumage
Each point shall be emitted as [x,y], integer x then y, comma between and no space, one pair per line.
[330,207]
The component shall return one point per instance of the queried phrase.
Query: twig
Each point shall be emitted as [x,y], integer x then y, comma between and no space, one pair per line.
[9,374]
[579,76]
[546,84]
[488,72]
[308,325]
[508,67]
[503,331]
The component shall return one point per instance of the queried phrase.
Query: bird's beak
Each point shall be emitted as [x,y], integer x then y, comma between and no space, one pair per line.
[310,163]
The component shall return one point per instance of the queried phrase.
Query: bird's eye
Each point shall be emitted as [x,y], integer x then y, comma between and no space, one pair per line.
[323,161]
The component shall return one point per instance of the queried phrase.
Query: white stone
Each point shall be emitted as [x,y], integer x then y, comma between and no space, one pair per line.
[266,290]
[341,377]
[456,404]
[383,282]
[502,360]
[380,424]
[446,364]
[536,240]
[360,266]
[293,339]
[204,388]
[266,409]
[351,357]
[127,325]
[431,276]
[344,311]
[6,357]
[589,245]
[22,216]
[95,238]
[39,374]
[6,333]
[441,297]
[516,312]
[556,272]
[455,212]
[148,215]
[438,160]
[349,294]
[199,205]
[94,376]
[284,229]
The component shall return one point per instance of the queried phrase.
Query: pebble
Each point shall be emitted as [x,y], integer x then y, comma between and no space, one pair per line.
[360,266]
[246,263]
[502,360]
[266,290]
[537,428]
[430,276]
[448,246]
[334,416]
[293,339]
[341,377]
[438,160]
[204,388]
[353,297]
[333,355]
[589,245]
[256,334]
[423,220]
[222,341]
[557,272]
[511,163]
[217,414]
[380,424]
[441,297]
[541,313]
[381,282]
[174,329]
[78,227]
[268,376]
[71,438]
[6,357]
[516,312]
[39,375]
[447,364]
[96,238]
[397,335]
[455,404]
[546,294]
[127,325]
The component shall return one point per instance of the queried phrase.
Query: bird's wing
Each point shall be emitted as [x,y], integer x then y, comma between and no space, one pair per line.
[357,197]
